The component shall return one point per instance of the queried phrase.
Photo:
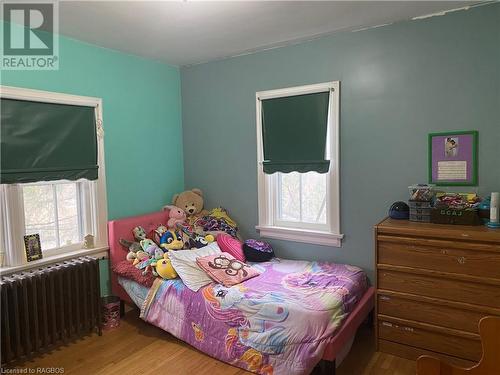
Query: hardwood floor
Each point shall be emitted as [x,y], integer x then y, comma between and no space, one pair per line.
[363,360]
[139,348]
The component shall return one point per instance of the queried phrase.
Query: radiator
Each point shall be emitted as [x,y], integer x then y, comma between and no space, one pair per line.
[46,307]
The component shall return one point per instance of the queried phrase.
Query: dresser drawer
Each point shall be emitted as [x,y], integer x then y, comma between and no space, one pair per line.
[412,353]
[432,313]
[439,287]
[444,258]
[435,341]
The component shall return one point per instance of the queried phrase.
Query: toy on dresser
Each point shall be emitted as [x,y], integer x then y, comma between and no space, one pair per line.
[494,221]
[456,208]
[399,211]
[420,203]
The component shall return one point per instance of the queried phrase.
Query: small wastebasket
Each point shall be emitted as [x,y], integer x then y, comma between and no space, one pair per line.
[110,312]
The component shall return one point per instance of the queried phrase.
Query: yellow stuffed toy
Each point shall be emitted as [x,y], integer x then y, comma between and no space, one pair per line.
[164,269]
[221,213]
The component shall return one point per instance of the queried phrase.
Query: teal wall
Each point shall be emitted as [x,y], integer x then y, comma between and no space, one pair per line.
[141,118]
[105,281]
[398,83]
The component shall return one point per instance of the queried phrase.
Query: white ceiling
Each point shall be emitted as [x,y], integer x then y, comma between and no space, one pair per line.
[184,33]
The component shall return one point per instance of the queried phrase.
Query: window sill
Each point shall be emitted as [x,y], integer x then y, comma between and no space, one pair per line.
[301,235]
[53,259]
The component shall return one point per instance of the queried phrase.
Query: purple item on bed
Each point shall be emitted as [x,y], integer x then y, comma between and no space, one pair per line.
[278,322]
[257,251]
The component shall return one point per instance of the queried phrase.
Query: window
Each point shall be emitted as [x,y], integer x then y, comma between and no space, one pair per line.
[301,206]
[301,199]
[54,211]
[62,212]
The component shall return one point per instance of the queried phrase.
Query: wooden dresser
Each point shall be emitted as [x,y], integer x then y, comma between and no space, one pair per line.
[434,283]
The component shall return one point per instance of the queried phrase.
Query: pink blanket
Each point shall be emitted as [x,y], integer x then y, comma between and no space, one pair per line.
[278,322]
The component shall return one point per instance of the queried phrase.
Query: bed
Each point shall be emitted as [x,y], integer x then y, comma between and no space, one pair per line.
[284,321]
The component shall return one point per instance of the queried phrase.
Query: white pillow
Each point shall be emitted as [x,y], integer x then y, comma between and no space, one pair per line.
[184,263]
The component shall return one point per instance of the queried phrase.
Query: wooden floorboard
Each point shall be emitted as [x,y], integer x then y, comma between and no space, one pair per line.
[139,348]
[364,360]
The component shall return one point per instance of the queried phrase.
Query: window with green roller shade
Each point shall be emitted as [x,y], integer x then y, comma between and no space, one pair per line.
[294,130]
[46,142]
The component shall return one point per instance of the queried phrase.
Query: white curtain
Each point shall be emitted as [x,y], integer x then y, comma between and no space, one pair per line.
[12,226]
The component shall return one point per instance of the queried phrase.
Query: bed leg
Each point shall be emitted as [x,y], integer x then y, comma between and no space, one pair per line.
[327,367]
[122,308]
[369,321]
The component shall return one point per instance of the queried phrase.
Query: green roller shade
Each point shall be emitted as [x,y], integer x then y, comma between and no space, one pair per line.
[46,142]
[294,132]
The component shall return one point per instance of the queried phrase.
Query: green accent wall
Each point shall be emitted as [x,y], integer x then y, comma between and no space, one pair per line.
[398,83]
[141,119]
[105,281]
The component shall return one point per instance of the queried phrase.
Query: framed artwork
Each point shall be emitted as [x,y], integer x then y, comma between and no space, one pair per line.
[453,158]
[32,247]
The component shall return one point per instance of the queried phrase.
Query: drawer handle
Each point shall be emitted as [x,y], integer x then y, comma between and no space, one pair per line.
[385,298]
[461,260]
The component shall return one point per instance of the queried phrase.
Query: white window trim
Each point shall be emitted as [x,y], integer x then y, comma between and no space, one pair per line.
[98,252]
[10,195]
[266,227]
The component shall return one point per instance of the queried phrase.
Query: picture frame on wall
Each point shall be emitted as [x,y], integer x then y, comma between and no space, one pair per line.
[32,247]
[453,158]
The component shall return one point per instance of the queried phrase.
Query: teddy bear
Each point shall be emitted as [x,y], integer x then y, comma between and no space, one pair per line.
[176,216]
[191,201]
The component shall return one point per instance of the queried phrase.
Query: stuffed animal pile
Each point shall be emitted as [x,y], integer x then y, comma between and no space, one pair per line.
[151,254]
[189,226]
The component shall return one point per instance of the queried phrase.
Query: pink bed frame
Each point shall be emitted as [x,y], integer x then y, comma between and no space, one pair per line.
[122,228]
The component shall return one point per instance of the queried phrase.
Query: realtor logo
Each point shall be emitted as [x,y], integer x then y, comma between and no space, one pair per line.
[30,40]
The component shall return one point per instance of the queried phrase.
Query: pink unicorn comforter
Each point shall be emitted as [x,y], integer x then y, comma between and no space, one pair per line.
[276,323]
